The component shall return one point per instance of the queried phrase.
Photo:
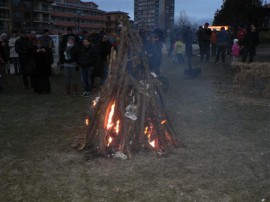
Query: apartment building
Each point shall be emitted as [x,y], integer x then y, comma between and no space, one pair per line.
[150,14]
[77,15]
[55,15]
[5,15]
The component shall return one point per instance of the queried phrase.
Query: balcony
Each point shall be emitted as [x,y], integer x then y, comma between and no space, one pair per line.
[4,5]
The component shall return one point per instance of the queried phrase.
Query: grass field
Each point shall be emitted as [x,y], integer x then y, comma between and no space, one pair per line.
[226,158]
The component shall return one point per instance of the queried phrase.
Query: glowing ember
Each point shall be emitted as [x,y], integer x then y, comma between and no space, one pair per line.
[163,122]
[109,123]
[87,122]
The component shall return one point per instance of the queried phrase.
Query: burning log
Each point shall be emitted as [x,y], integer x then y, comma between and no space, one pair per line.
[129,114]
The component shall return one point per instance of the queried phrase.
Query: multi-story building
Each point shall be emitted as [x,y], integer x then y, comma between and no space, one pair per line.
[114,19]
[24,14]
[57,16]
[77,15]
[5,16]
[150,14]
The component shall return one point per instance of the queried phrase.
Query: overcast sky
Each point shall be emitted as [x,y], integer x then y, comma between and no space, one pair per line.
[196,10]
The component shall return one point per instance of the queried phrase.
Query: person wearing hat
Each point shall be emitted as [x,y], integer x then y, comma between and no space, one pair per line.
[235,51]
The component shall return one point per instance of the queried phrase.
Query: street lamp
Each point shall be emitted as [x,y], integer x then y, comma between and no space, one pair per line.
[78,15]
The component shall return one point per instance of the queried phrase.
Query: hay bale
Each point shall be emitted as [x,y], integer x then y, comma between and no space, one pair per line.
[250,72]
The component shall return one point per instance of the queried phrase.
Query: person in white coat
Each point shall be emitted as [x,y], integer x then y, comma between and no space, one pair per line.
[14,56]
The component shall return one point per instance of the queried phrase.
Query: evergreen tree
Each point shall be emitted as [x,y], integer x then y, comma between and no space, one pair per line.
[239,13]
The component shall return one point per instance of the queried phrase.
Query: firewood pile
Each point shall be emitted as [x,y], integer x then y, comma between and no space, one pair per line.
[128,115]
[253,77]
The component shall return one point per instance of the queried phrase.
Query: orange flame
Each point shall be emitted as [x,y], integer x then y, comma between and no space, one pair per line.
[117,127]
[163,122]
[109,123]
[112,128]
[148,132]
[87,122]
[153,143]
[110,139]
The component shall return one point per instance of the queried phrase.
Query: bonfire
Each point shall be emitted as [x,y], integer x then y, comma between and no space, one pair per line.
[128,114]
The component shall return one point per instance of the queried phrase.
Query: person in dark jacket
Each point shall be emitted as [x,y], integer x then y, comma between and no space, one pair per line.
[47,43]
[86,58]
[222,42]
[24,47]
[154,54]
[40,78]
[105,51]
[63,43]
[70,63]
[204,38]
[188,43]
[250,41]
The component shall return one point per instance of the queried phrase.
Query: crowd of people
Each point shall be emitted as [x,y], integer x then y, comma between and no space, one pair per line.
[219,44]
[241,45]
[85,56]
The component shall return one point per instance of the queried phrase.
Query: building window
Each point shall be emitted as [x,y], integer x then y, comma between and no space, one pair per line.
[17,14]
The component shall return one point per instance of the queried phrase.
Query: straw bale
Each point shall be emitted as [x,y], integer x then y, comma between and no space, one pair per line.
[250,72]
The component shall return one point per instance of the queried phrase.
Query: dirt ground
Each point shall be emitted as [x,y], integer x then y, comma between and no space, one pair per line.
[226,134]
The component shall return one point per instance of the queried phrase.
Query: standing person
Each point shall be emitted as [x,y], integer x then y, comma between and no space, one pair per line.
[154,54]
[24,47]
[105,51]
[213,40]
[188,43]
[205,38]
[230,40]
[33,37]
[241,33]
[4,38]
[235,51]
[179,50]
[222,39]
[42,71]
[70,63]
[86,58]
[47,43]
[63,43]
[250,42]
[2,64]
[14,56]
[199,38]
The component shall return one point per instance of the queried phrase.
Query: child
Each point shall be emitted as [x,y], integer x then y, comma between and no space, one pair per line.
[179,51]
[235,51]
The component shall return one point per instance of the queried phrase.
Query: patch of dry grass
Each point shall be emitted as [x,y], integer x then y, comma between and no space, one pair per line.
[223,161]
